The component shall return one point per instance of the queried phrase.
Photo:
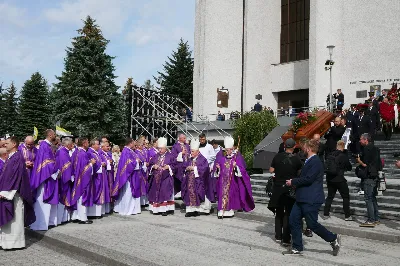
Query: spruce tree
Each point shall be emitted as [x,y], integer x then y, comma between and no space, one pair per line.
[10,110]
[177,77]
[2,104]
[34,109]
[89,99]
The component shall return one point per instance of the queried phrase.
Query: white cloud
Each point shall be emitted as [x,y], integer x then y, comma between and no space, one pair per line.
[12,15]
[110,15]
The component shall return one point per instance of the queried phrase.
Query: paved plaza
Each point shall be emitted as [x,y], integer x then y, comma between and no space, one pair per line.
[146,239]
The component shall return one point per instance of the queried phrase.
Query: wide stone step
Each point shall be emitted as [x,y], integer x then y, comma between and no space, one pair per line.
[362,211]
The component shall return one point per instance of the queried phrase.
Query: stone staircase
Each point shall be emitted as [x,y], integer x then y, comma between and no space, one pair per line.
[388,202]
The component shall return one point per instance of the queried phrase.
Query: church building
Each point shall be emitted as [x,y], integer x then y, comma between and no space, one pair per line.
[276,52]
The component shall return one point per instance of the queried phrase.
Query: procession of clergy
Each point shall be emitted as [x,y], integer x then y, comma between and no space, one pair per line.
[45,186]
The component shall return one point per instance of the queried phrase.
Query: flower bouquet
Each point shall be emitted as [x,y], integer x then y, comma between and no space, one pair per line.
[302,119]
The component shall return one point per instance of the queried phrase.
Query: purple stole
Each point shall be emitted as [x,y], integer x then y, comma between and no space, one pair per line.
[108,175]
[15,177]
[193,188]
[64,164]
[98,184]
[29,155]
[234,193]
[126,166]
[141,154]
[44,167]
[83,178]
[161,183]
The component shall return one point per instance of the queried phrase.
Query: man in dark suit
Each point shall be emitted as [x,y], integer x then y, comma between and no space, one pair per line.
[339,96]
[334,134]
[309,198]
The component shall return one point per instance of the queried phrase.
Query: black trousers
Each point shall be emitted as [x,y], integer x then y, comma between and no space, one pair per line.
[343,189]
[387,130]
[282,229]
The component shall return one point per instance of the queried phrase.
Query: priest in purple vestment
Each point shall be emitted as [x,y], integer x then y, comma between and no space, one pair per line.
[142,172]
[106,157]
[181,153]
[66,179]
[29,152]
[44,184]
[82,188]
[152,151]
[233,186]
[126,188]
[98,180]
[16,199]
[193,187]
[161,181]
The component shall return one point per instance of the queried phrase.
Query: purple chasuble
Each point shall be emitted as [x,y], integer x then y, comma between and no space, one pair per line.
[126,166]
[97,178]
[83,178]
[64,164]
[193,188]
[142,174]
[161,183]
[1,165]
[44,167]
[151,153]
[179,169]
[15,177]
[234,193]
[29,155]
[108,175]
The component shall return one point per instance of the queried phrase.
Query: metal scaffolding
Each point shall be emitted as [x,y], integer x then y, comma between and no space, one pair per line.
[156,114]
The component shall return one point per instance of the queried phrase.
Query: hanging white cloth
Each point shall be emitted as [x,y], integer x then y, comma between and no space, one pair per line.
[46,214]
[12,234]
[126,203]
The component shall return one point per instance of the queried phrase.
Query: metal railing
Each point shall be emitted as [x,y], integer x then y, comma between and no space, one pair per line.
[295,111]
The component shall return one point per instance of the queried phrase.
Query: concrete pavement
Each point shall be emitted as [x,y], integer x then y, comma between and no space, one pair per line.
[146,239]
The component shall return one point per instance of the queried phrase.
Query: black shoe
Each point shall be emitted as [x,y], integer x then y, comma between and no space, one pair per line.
[164,214]
[171,212]
[75,221]
[86,222]
[189,214]
[336,245]
[308,233]
[220,217]
[291,251]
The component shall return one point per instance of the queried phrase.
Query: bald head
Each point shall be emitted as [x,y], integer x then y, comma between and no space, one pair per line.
[182,138]
[317,137]
[29,142]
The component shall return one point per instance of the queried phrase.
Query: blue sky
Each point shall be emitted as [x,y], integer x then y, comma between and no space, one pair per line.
[142,33]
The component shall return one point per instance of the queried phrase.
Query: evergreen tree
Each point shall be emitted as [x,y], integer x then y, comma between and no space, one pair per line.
[178,74]
[34,108]
[2,104]
[89,98]
[10,110]
[127,92]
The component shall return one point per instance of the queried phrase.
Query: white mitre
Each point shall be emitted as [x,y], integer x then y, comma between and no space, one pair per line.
[162,143]
[194,144]
[229,142]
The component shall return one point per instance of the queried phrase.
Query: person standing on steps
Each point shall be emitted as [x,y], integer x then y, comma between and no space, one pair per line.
[309,198]
[337,164]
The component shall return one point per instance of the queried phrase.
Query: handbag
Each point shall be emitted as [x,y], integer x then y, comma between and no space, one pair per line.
[382,181]
[292,192]
[270,186]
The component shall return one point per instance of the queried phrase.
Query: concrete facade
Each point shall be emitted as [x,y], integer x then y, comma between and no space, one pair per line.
[365,35]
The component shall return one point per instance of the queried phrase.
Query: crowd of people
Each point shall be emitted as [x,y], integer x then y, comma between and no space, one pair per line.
[350,140]
[78,180]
